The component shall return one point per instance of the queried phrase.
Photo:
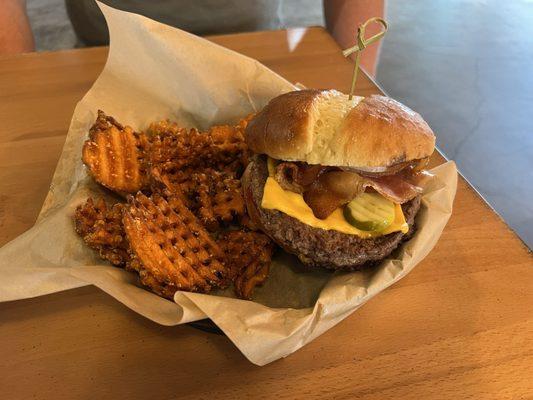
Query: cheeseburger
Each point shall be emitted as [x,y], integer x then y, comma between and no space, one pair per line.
[336,181]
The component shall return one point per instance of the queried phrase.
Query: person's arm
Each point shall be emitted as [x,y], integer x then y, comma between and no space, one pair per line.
[342,19]
[15,32]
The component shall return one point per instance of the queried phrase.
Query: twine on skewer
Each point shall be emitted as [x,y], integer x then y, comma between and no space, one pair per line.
[362,43]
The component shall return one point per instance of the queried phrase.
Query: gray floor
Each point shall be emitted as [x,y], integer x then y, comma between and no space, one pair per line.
[466,66]
[50,24]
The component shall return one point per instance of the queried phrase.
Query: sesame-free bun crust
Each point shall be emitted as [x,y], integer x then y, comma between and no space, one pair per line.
[324,127]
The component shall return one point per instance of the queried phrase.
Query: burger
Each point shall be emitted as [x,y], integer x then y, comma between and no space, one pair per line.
[336,181]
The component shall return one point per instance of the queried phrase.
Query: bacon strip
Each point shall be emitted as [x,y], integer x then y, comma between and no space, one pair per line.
[325,189]
[415,165]
[394,188]
[331,190]
[297,176]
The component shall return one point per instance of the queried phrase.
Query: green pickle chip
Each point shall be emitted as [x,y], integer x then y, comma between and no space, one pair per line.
[370,212]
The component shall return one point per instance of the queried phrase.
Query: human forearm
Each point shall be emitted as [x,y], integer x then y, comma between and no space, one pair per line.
[343,17]
[15,31]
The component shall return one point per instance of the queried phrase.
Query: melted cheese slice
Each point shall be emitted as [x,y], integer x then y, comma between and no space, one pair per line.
[293,204]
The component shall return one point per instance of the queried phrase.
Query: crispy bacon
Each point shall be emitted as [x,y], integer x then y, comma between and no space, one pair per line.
[331,190]
[297,176]
[325,189]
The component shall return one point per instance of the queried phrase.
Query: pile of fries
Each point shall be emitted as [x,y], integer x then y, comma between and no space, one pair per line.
[184,224]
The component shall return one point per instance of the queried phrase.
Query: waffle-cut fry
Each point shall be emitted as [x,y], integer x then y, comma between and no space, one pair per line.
[176,181]
[218,197]
[116,155]
[101,228]
[194,181]
[255,274]
[160,183]
[179,148]
[248,257]
[200,237]
[165,127]
[176,154]
[230,147]
[147,279]
[176,149]
[174,250]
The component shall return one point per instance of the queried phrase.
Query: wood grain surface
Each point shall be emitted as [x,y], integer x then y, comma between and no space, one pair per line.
[458,327]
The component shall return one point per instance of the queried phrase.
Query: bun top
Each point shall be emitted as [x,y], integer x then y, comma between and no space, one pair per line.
[324,127]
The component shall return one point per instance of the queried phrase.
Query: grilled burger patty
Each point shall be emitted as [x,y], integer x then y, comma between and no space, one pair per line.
[313,246]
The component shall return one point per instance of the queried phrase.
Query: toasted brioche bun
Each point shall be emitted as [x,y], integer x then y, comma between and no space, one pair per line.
[324,127]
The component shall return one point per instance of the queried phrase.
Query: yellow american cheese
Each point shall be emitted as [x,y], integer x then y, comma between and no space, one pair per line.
[293,204]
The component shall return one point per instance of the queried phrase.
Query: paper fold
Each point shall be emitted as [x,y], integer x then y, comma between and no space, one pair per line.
[156,72]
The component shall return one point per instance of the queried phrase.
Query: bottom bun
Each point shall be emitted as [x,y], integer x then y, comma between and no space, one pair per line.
[313,246]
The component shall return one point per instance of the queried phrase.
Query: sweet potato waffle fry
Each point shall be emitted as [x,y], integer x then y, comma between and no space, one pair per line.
[218,198]
[116,155]
[185,191]
[248,256]
[175,150]
[230,151]
[101,228]
[174,250]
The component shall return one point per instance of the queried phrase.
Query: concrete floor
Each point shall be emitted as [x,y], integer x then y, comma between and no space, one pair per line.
[465,65]
[50,24]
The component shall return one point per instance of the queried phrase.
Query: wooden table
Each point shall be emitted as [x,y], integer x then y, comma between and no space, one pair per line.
[465,329]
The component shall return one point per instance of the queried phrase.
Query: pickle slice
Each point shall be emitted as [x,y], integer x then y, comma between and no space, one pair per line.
[370,212]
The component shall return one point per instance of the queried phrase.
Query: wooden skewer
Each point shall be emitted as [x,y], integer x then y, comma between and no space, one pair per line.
[362,43]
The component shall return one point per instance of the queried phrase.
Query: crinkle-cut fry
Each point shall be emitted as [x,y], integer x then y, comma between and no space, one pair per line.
[248,256]
[101,228]
[173,250]
[116,155]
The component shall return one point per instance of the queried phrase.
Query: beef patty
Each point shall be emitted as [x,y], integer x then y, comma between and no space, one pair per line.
[313,246]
